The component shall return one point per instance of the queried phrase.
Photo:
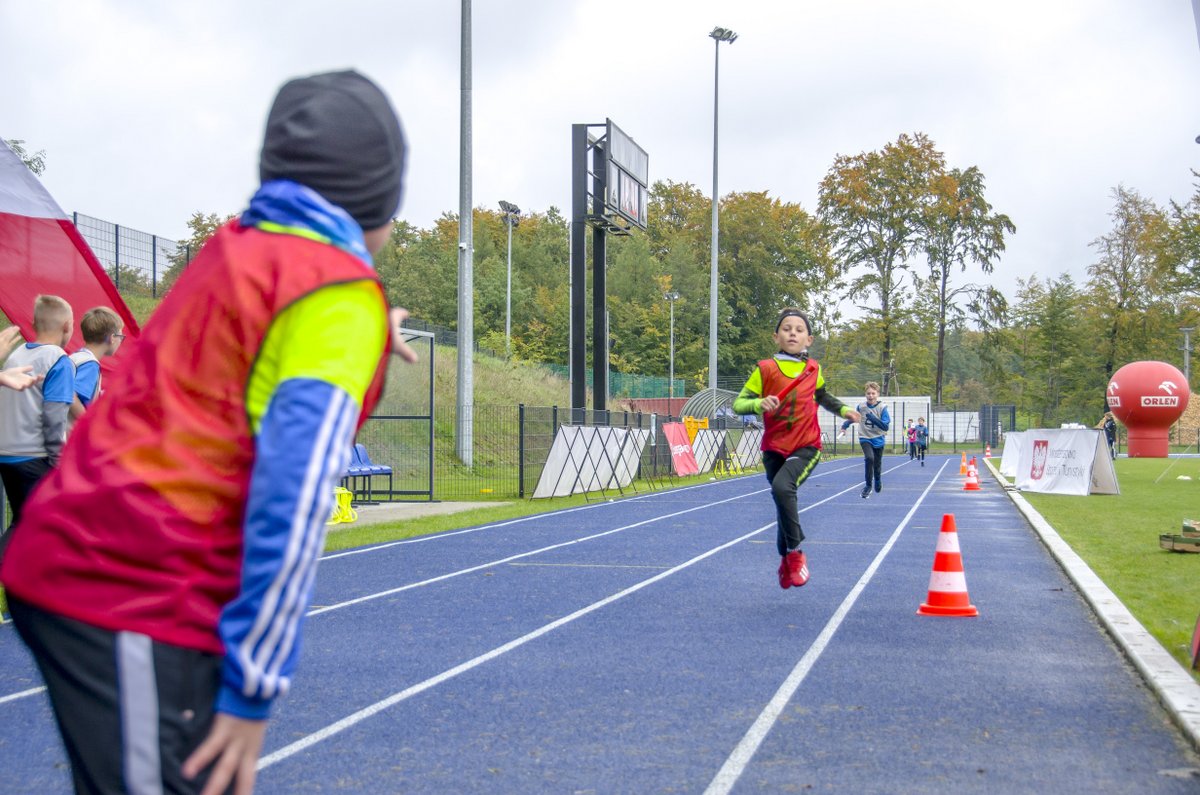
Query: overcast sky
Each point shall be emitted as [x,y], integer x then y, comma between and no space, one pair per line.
[149,111]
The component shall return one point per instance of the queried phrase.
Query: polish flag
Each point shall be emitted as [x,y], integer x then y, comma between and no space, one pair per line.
[42,253]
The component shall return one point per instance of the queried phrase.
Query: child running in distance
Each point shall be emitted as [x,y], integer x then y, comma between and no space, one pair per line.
[922,439]
[873,423]
[786,390]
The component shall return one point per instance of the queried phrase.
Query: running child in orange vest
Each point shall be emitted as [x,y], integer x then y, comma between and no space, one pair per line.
[785,390]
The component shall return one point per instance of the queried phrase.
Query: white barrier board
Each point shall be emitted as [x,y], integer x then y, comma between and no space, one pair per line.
[587,458]
[1065,461]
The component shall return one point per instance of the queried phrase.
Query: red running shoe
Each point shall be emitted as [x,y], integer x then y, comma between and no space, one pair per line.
[785,574]
[797,568]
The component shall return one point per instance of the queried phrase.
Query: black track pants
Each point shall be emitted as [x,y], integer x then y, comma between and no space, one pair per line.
[785,475]
[130,709]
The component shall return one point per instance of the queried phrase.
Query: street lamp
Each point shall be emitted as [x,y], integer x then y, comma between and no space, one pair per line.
[671,297]
[512,217]
[718,35]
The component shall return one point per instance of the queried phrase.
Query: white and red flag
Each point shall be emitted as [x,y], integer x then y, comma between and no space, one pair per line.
[41,252]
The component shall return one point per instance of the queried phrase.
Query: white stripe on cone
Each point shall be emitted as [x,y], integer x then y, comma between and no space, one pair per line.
[948,582]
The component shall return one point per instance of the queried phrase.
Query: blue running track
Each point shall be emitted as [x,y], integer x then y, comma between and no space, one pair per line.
[644,646]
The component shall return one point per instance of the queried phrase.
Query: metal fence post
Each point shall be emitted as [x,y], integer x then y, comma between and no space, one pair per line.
[521,450]
[154,266]
[117,255]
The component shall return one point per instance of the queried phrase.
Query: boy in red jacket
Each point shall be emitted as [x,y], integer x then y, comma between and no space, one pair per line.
[786,390]
[162,571]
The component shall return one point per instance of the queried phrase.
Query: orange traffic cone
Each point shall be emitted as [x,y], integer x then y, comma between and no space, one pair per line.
[947,583]
[972,481]
[962,468]
[987,451]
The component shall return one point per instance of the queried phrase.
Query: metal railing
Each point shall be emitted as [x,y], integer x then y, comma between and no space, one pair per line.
[136,261]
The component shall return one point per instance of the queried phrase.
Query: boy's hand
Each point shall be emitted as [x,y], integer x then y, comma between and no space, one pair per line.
[396,318]
[232,748]
[769,403]
[853,416]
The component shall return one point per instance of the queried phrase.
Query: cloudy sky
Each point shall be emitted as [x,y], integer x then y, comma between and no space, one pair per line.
[150,111]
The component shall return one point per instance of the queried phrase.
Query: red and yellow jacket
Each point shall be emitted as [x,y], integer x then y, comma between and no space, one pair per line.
[191,499]
[794,424]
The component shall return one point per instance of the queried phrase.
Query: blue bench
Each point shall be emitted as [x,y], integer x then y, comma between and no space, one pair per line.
[360,472]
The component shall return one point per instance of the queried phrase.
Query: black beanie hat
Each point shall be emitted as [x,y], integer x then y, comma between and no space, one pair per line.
[337,134]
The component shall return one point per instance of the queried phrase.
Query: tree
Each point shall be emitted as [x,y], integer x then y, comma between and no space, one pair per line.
[36,162]
[960,227]
[203,227]
[1177,265]
[872,205]
[1121,284]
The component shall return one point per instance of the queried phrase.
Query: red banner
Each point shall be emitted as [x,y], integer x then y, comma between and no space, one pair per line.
[682,459]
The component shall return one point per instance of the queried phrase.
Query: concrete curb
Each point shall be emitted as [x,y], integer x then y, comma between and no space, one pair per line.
[1178,692]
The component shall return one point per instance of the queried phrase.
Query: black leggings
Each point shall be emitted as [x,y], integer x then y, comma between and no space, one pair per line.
[873,461]
[785,474]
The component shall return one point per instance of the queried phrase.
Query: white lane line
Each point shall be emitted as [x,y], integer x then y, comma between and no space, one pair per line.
[491,564]
[357,717]
[316,611]
[13,697]
[327,608]
[729,773]
[537,516]
[33,691]
[518,520]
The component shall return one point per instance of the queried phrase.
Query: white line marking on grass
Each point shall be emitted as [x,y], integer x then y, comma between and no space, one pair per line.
[357,717]
[729,773]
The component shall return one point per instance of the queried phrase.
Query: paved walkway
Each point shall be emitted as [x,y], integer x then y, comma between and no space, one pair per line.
[399,511]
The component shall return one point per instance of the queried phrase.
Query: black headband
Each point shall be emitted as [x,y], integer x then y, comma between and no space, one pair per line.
[785,314]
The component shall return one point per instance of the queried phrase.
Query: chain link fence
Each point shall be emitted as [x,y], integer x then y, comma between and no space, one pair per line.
[136,261]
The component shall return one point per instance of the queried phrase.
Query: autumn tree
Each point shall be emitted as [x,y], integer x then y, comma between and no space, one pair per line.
[1121,287]
[958,229]
[872,205]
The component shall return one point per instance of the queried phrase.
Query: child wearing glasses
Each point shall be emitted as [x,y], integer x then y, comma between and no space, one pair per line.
[101,329]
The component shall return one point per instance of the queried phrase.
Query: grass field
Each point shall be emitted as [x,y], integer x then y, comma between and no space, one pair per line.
[1118,538]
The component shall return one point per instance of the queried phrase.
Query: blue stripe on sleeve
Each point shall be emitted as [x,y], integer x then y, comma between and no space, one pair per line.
[59,386]
[302,450]
[87,375]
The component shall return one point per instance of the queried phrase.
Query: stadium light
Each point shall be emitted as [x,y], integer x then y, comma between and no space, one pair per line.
[718,35]
[512,217]
[671,298]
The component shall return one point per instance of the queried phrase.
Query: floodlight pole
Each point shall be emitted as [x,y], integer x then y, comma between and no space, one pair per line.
[1187,354]
[671,297]
[718,35]
[511,213]
[464,425]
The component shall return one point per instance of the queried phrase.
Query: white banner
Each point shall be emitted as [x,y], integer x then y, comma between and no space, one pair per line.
[706,447]
[749,447]
[1013,441]
[590,459]
[1065,461]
